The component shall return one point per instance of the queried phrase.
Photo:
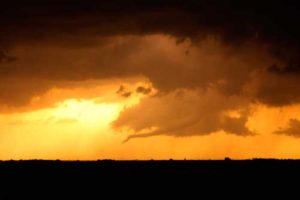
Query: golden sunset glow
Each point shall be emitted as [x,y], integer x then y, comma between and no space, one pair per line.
[152,82]
[82,129]
[62,130]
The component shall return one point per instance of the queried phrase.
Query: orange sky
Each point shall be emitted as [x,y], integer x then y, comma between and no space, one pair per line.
[162,79]
[87,116]
[81,129]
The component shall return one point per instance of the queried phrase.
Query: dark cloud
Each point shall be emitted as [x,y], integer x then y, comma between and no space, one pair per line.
[242,50]
[293,129]
[123,92]
[233,21]
[274,89]
[84,24]
[143,90]
[17,92]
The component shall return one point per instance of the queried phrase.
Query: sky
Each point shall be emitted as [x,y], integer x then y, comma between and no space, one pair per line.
[149,79]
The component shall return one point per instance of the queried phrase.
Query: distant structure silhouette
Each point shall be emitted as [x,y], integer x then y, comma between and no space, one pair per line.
[227,159]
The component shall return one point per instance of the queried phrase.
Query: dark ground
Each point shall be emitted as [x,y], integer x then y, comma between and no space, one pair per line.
[129,177]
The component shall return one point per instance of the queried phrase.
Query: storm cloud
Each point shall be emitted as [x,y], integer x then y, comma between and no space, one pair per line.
[197,54]
[186,113]
[292,129]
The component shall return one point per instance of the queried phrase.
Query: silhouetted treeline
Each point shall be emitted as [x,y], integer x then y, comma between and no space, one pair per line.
[150,176]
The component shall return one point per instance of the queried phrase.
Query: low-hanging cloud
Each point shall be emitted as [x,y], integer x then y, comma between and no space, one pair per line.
[123,92]
[185,113]
[143,90]
[293,129]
